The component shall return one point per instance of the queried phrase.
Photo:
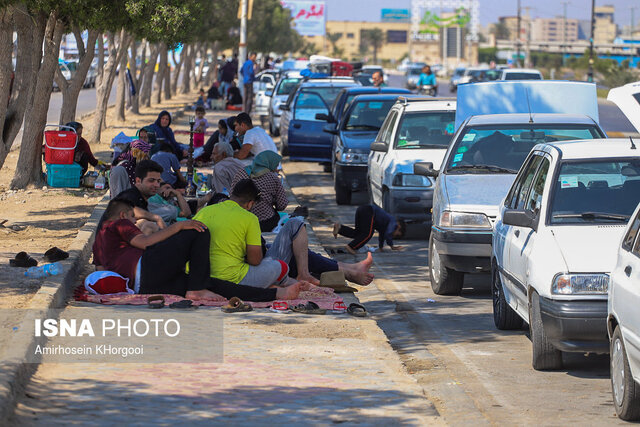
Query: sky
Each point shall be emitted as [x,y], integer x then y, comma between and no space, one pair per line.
[490,10]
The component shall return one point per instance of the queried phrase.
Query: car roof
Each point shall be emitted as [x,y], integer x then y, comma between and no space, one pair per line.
[341,82]
[370,89]
[591,148]
[523,118]
[520,70]
[375,97]
[421,103]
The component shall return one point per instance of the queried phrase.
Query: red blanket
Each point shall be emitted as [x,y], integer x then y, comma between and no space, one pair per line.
[324,297]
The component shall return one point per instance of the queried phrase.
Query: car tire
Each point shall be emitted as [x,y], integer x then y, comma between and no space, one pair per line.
[285,149]
[504,317]
[444,281]
[343,195]
[544,355]
[273,131]
[626,392]
[386,201]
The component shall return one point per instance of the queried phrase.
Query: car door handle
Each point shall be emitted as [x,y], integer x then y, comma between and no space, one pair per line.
[627,270]
[296,126]
[517,233]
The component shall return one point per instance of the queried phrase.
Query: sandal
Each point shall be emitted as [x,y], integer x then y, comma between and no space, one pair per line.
[22,259]
[55,254]
[235,305]
[309,308]
[279,307]
[185,304]
[357,310]
[156,301]
[339,307]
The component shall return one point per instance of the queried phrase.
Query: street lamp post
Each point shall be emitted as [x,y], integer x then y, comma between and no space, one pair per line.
[593,25]
[191,191]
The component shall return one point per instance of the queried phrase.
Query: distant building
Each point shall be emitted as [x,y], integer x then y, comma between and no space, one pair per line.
[554,30]
[511,24]
[605,30]
[584,29]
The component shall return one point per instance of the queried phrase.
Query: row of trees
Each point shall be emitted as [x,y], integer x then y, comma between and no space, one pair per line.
[138,34]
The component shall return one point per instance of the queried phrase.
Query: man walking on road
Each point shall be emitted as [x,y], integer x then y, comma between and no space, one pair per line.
[248,76]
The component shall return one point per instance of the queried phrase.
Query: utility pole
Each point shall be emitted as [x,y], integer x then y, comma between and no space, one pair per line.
[564,32]
[242,48]
[633,48]
[518,38]
[593,26]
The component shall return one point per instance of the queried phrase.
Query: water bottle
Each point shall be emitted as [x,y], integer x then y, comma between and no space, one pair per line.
[225,191]
[100,182]
[44,270]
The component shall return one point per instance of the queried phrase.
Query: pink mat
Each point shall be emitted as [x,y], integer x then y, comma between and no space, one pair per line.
[324,297]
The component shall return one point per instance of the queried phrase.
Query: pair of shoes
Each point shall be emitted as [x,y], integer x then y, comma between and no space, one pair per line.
[236,305]
[309,308]
[157,301]
[357,310]
[23,259]
[55,254]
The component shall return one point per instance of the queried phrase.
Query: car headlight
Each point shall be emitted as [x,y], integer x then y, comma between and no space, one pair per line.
[580,284]
[410,180]
[352,157]
[464,220]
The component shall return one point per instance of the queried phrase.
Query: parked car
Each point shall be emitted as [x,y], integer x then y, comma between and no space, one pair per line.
[262,88]
[473,75]
[482,161]
[623,322]
[278,97]
[520,74]
[353,136]
[416,130]
[90,79]
[455,78]
[346,95]
[413,74]
[66,72]
[547,268]
[301,129]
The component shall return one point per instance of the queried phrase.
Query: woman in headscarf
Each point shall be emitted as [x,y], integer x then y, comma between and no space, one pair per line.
[272,195]
[123,175]
[162,129]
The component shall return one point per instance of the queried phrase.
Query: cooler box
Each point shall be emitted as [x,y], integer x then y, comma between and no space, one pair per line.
[59,146]
[64,175]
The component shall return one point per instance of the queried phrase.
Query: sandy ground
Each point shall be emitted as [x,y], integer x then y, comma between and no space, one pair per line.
[40,218]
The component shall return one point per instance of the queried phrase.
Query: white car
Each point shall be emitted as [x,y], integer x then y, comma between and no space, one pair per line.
[278,97]
[555,242]
[623,323]
[262,88]
[520,74]
[415,130]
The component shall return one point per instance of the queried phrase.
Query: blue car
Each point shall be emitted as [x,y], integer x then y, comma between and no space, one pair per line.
[346,95]
[302,122]
[353,135]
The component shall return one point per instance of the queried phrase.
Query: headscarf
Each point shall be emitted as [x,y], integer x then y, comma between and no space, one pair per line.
[266,161]
[141,145]
[74,125]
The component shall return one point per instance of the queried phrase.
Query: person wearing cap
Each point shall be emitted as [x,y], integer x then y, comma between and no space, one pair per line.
[83,154]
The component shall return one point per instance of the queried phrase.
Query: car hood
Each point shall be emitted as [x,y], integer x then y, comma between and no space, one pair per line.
[358,140]
[405,159]
[589,249]
[477,192]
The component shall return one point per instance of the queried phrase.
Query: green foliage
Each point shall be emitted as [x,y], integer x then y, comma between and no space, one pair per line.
[270,29]
[487,54]
[309,49]
[169,21]
[500,31]
[546,60]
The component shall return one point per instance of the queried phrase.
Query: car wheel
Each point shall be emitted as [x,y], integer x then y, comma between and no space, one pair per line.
[504,316]
[444,281]
[386,201]
[544,355]
[284,149]
[626,392]
[343,195]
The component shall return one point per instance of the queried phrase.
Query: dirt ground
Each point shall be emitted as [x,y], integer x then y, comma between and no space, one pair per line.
[40,218]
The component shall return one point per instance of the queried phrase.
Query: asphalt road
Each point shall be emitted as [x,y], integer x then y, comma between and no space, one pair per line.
[472,372]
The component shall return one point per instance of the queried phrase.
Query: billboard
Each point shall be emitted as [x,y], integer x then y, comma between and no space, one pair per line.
[308,17]
[395,15]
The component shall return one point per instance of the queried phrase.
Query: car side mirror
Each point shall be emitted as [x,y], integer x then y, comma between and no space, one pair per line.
[269,93]
[331,128]
[285,108]
[323,117]
[425,169]
[379,146]
[520,218]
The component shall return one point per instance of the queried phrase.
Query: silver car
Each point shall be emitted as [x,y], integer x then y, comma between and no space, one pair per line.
[278,97]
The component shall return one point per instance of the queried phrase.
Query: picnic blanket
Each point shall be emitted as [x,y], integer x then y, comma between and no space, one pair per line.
[324,297]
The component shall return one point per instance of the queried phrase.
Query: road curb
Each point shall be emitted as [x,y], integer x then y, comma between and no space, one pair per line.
[15,372]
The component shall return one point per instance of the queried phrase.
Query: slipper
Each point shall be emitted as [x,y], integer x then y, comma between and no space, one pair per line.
[185,304]
[309,308]
[339,308]
[336,228]
[22,259]
[280,307]
[236,305]
[55,254]
[156,301]
[357,310]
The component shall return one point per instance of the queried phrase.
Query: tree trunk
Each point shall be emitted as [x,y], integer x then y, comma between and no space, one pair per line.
[71,89]
[167,78]
[29,167]
[162,66]
[177,69]
[203,58]
[193,79]
[186,74]
[6,73]
[135,76]
[100,67]
[212,74]
[147,84]
[104,88]
[121,90]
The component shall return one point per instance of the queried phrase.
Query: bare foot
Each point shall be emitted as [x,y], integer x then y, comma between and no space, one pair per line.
[336,227]
[308,278]
[365,263]
[205,294]
[307,286]
[360,277]
[290,292]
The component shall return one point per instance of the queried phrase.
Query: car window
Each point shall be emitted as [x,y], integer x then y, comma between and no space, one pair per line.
[287,85]
[503,148]
[588,191]
[627,242]
[368,115]
[534,200]
[307,105]
[523,184]
[426,129]
[522,76]
[387,128]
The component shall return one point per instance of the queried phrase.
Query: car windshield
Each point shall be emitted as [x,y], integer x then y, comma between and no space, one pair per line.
[327,93]
[368,115]
[502,149]
[459,72]
[287,85]
[426,129]
[414,71]
[595,191]
[522,76]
